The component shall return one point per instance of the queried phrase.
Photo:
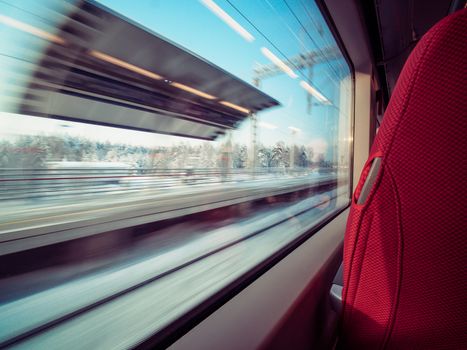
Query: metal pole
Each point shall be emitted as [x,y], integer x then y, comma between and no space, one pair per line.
[254,134]
[254,152]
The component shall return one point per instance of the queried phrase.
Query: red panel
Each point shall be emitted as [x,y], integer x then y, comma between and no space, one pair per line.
[405,250]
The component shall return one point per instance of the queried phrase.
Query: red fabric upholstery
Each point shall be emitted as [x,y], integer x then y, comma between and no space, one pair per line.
[405,250]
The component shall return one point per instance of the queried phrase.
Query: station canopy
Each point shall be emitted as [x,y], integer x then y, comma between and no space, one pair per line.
[104,69]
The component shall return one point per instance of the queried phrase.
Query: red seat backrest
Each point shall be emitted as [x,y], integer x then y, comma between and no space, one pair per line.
[405,250]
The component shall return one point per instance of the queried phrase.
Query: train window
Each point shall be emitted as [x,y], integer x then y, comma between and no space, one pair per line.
[161,148]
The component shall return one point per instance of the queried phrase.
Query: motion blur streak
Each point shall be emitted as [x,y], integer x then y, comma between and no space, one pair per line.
[192,90]
[234,106]
[107,58]
[267,125]
[31,30]
[274,59]
[319,96]
[228,20]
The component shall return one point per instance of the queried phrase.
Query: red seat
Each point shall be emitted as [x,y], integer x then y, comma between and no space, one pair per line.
[405,250]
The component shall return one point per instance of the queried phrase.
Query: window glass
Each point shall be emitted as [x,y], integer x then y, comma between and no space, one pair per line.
[86,174]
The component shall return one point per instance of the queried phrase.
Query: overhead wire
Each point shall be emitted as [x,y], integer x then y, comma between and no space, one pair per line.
[312,19]
[309,36]
[318,47]
[269,41]
[298,39]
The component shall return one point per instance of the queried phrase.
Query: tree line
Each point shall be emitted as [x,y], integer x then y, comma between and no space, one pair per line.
[35,151]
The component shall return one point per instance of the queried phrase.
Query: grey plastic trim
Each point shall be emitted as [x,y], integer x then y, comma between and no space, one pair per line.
[370,180]
[339,278]
[336,290]
[336,297]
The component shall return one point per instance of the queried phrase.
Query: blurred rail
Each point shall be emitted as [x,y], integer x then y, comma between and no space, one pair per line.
[82,209]
[48,183]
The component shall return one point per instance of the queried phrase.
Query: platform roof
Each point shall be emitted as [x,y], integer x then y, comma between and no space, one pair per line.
[102,68]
